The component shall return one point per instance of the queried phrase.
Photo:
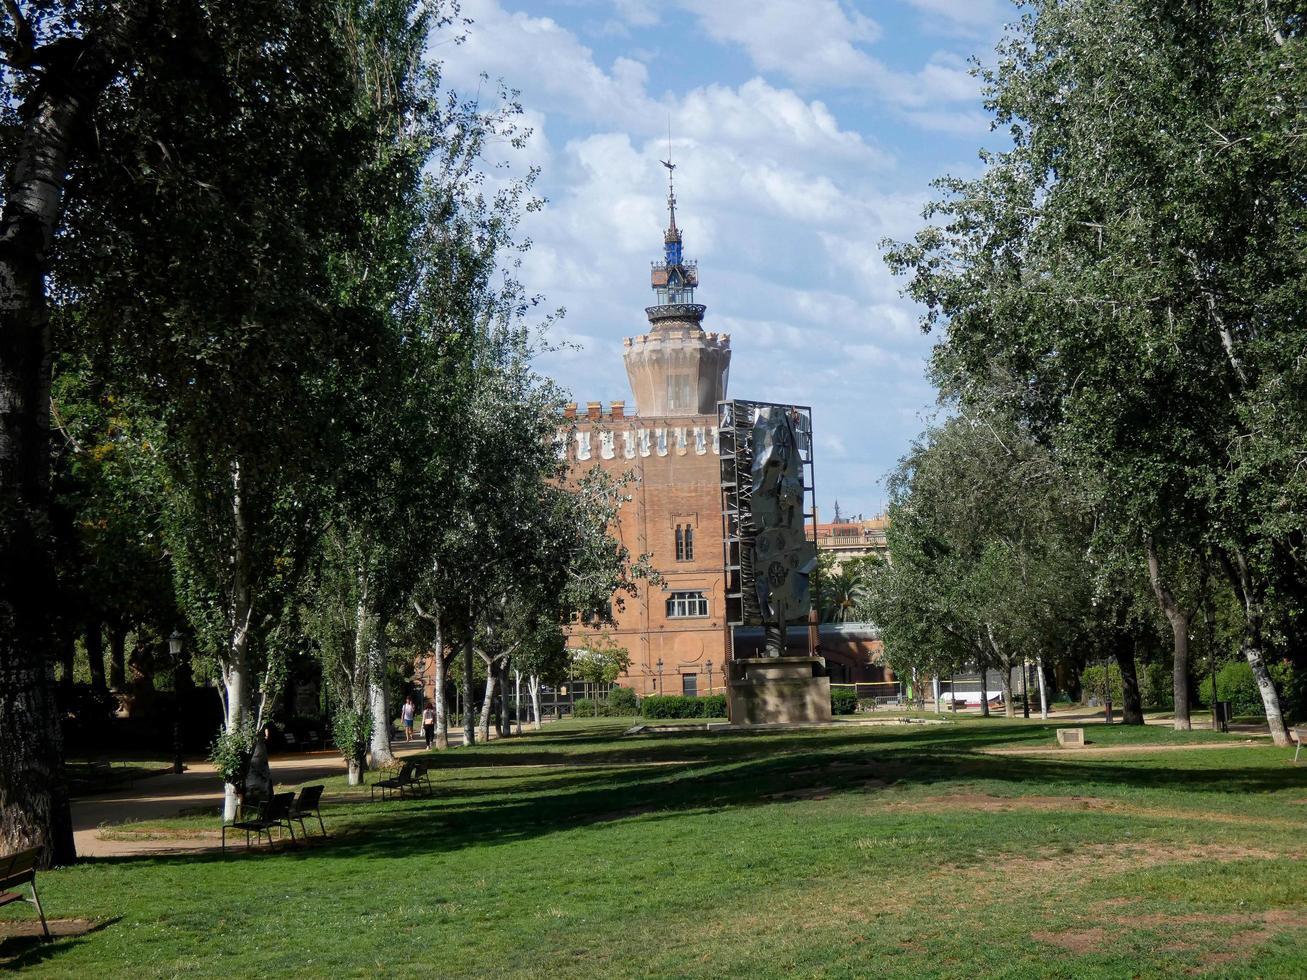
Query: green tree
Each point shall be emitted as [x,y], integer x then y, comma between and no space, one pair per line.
[1134,265]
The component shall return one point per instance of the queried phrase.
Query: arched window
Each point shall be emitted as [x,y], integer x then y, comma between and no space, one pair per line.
[680,544]
[689,542]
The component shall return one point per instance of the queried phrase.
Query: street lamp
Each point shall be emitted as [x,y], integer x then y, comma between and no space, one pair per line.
[710,678]
[175,651]
[659,665]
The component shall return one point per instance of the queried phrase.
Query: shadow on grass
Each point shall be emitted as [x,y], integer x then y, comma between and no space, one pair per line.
[19,952]
[724,773]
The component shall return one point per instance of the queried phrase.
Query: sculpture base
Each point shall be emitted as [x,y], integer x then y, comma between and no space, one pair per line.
[771,690]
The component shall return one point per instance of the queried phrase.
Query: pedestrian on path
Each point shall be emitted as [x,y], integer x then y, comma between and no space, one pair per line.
[429,723]
[408,718]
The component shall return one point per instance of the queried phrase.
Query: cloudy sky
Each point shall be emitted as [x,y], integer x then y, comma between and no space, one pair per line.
[804,131]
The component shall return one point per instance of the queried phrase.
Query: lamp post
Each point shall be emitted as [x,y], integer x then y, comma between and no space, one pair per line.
[710,678]
[175,651]
[659,665]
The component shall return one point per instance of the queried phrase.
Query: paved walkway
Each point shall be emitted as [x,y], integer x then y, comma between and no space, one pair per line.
[175,794]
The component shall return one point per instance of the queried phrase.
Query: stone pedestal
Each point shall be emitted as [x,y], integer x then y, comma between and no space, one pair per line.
[768,690]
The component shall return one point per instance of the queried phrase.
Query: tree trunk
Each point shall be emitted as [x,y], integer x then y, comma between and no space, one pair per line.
[355,777]
[95,655]
[235,668]
[442,708]
[504,729]
[117,656]
[517,701]
[1043,688]
[34,808]
[469,681]
[1009,710]
[533,684]
[1132,709]
[486,702]
[1179,620]
[984,691]
[1242,580]
[379,696]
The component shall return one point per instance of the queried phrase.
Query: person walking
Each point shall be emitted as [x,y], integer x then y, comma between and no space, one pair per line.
[408,719]
[429,723]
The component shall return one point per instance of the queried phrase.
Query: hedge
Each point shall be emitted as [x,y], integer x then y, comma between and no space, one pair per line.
[679,706]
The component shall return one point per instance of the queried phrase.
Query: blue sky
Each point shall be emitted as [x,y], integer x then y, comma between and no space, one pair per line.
[805,132]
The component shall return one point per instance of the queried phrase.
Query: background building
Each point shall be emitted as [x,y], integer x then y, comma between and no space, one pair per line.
[676,632]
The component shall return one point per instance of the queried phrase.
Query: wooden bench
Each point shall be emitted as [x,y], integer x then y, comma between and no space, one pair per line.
[1299,735]
[20,869]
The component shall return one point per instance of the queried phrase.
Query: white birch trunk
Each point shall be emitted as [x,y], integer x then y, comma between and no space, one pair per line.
[379,698]
[533,684]
[517,700]
[484,722]
[235,669]
[1043,688]
[355,777]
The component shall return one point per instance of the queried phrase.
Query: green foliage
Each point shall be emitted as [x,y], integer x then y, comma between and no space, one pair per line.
[350,729]
[622,701]
[843,700]
[1235,683]
[230,752]
[1097,681]
[680,706]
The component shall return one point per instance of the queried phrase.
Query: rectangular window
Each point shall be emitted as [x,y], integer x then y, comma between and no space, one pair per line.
[685,605]
[685,542]
[678,393]
[690,685]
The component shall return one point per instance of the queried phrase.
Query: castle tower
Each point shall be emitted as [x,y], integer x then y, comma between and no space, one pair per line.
[676,368]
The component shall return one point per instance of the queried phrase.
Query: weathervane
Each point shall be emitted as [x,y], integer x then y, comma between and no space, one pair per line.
[671,167]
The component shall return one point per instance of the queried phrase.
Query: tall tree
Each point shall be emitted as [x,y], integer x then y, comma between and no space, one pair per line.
[1136,259]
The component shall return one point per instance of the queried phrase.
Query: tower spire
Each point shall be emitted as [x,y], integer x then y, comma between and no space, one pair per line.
[673,233]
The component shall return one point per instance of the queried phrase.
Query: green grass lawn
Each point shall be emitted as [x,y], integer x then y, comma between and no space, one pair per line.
[851,852]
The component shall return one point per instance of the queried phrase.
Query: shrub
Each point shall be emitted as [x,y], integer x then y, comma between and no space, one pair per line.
[622,701]
[1095,681]
[712,706]
[1155,687]
[230,753]
[583,708]
[843,700]
[1234,683]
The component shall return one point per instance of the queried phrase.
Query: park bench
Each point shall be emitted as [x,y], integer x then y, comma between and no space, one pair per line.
[1299,734]
[103,771]
[308,805]
[397,783]
[20,869]
[274,813]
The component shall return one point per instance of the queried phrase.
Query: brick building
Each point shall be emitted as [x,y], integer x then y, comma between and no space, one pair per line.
[676,632]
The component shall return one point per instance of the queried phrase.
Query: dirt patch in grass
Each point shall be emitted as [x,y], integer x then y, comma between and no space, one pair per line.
[989,803]
[15,928]
[1233,946]
[1079,941]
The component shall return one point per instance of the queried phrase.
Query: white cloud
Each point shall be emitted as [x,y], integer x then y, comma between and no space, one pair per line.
[783,202]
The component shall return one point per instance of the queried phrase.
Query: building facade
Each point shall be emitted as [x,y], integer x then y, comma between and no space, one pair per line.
[675,631]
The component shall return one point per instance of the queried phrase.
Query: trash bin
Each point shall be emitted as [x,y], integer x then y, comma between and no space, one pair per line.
[1223,715]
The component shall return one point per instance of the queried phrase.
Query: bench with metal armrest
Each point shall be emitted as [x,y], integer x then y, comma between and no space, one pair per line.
[275,813]
[20,869]
[308,805]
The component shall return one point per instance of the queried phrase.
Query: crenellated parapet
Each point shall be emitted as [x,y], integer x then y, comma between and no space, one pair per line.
[609,436]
